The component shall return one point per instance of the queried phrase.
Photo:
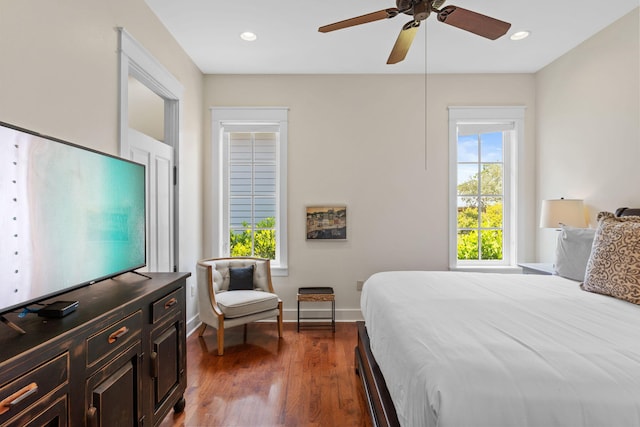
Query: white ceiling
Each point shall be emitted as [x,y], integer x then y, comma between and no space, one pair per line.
[289,42]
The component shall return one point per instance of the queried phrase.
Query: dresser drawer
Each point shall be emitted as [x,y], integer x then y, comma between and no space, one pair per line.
[169,304]
[114,337]
[33,386]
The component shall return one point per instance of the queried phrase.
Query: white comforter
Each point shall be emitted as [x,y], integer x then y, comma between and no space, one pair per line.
[474,349]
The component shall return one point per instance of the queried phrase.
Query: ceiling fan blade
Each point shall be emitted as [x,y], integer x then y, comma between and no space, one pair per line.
[403,42]
[369,17]
[473,22]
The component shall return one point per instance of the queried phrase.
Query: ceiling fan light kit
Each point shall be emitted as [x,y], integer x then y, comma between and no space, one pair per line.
[464,19]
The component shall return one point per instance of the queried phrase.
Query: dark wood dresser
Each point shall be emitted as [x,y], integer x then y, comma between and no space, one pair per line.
[118,360]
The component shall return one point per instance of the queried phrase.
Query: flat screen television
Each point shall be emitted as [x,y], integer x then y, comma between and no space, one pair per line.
[70,216]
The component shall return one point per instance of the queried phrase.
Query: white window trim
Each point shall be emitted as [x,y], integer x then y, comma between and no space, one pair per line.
[258,116]
[514,222]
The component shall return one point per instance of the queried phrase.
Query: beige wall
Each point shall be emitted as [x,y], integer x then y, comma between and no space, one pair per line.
[59,76]
[360,140]
[588,124]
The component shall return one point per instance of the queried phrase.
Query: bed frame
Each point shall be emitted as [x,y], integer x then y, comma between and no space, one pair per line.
[383,413]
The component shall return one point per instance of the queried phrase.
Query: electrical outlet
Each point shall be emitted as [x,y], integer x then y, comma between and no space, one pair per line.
[359,284]
[193,290]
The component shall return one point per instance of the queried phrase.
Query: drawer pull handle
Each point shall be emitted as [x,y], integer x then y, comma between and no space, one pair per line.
[154,364]
[117,334]
[92,416]
[170,303]
[18,397]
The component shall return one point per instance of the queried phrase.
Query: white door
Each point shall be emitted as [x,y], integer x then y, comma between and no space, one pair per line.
[158,159]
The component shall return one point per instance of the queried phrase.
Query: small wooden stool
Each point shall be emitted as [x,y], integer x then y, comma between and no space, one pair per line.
[318,294]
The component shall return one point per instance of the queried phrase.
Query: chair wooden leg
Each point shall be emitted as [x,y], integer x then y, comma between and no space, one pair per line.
[201,330]
[280,319]
[220,341]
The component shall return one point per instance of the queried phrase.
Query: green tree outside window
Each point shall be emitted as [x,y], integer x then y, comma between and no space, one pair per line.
[480,219]
[264,240]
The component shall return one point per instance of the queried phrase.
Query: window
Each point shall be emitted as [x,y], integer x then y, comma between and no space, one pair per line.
[483,161]
[249,148]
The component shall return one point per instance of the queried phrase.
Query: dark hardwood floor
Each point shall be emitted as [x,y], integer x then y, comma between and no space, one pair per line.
[304,379]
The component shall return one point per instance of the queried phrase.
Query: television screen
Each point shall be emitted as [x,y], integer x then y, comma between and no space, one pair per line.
[70,216]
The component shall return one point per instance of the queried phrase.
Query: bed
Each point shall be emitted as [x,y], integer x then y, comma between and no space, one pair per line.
[476,349]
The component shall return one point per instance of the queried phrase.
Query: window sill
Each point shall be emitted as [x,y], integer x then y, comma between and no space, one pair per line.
[505,269]
[279,271]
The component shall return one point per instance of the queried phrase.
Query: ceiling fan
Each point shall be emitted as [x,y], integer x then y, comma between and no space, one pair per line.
[468,20]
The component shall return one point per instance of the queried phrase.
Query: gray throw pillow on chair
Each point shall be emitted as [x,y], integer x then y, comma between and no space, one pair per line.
[241,278]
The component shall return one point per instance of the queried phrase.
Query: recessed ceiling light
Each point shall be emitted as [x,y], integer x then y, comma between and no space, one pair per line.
[520,35]
[248,36]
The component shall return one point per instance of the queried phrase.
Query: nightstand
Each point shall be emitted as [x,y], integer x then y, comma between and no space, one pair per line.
[318,294]
[543,268]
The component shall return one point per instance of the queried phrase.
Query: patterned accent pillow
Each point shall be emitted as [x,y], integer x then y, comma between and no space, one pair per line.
[614,265]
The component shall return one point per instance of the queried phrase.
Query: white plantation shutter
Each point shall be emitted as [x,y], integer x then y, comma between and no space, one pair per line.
[252,178]
[249,151]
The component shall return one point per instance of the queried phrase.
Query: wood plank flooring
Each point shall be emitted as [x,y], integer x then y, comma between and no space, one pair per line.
[304,379]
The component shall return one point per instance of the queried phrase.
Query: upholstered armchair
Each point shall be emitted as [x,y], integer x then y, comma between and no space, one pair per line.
[235,291]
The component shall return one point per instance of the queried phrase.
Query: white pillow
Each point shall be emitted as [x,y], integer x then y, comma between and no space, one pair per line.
[572,252]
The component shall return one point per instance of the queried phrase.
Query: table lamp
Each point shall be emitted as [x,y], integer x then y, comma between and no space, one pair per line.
[557,212]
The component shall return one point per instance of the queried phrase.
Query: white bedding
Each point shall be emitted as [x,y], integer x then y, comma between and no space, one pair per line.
[475,349]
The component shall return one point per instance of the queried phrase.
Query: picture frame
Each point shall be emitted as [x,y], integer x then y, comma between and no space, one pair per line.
[327,222]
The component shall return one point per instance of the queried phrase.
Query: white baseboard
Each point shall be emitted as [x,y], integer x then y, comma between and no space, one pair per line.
[192,324]
[291,315]
[342,314]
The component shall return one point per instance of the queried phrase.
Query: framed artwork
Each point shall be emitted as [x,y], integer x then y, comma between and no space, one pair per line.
[326,223]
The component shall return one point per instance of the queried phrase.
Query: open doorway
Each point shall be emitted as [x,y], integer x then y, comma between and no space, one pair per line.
[149,123]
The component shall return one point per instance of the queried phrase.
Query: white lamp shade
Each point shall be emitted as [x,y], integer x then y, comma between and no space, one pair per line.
[562,211]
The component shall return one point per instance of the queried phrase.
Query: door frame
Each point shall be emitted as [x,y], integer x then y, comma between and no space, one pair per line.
[137,62]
